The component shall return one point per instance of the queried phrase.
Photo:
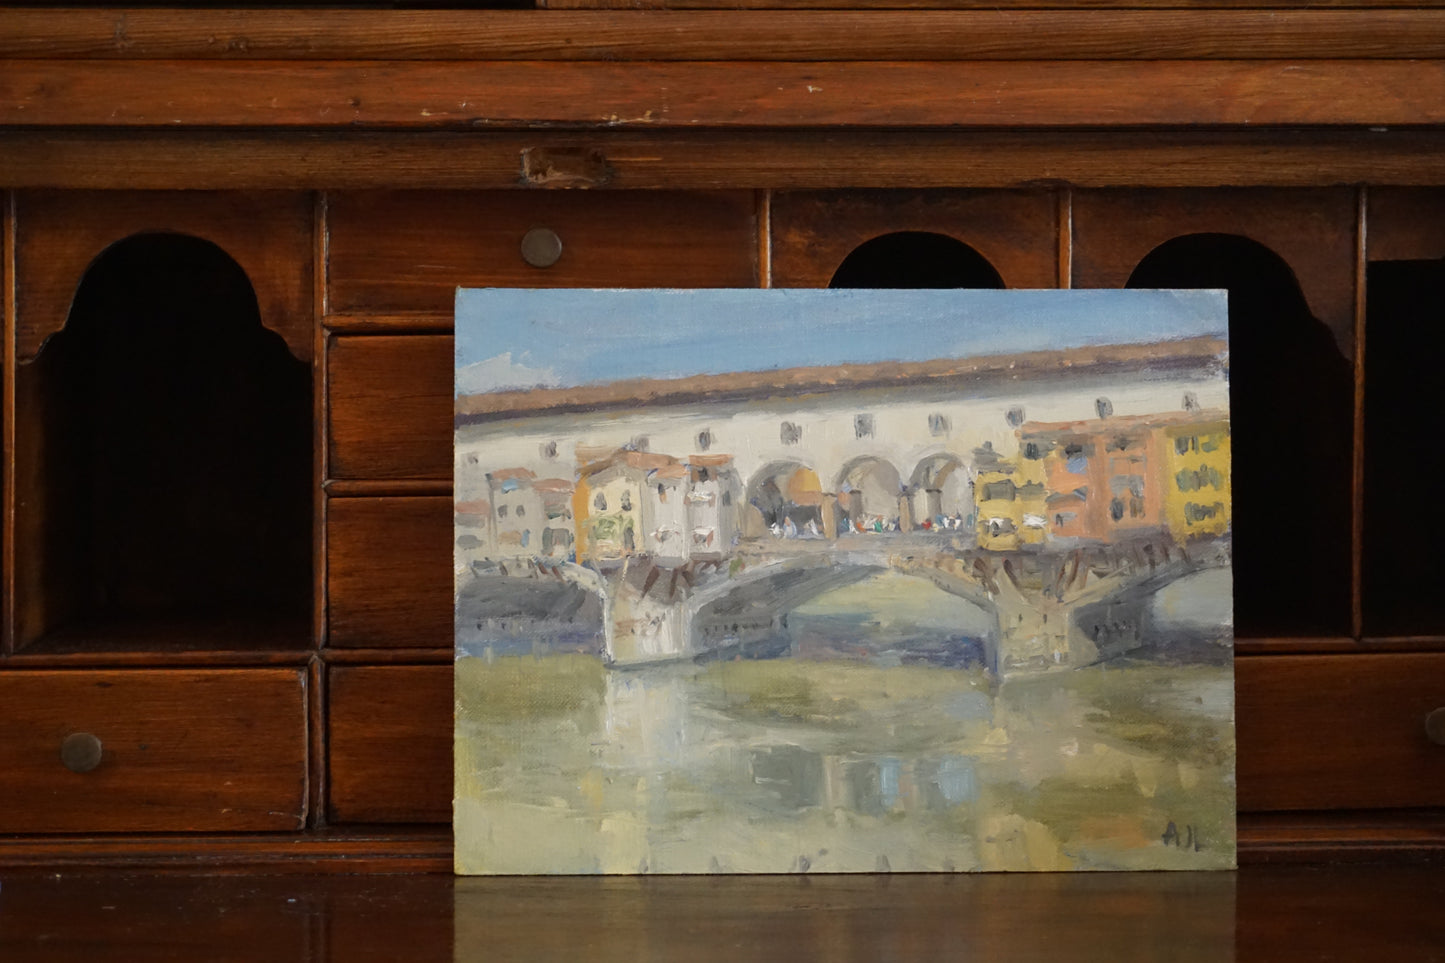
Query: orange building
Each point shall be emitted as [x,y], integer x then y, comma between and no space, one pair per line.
[1108,478]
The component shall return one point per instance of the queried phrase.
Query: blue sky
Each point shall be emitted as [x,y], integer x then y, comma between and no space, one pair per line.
[509,338]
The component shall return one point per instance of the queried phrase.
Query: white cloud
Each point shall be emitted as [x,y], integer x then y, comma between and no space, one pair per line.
[501,373]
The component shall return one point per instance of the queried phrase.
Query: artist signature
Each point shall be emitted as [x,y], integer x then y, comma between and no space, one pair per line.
[1185,840]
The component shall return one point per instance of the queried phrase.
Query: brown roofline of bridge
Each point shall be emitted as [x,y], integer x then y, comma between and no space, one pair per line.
[1165,355]
[1170,419]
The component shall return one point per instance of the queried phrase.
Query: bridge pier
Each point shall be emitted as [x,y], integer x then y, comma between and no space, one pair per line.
[639,629]
[1037,632]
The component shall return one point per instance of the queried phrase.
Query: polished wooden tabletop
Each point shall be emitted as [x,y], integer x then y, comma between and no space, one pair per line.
[1370,913]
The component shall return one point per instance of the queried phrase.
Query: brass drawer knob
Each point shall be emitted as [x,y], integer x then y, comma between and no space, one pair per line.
[1435,726]
[80,752]
[541,247]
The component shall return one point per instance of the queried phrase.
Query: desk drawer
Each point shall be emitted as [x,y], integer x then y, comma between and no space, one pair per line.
[408,251]
[1339,731]
[389,572]
[159,751]
[390,406]
[390,755]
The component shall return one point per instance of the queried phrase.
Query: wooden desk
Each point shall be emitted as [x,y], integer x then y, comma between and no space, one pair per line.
[1373,913]
[318,182]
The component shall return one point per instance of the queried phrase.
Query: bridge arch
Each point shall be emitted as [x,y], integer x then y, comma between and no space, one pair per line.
[783,494]
[870,493]
[753,606]
[532,606]
[941,491]
[1158,594]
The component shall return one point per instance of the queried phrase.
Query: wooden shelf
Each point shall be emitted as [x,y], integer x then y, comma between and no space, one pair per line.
[1268,913]
[816,35]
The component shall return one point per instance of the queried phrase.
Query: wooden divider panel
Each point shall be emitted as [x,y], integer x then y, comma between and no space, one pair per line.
[1406,224]
[1289,261]
[59,234]
[1016,231]
[1312,230]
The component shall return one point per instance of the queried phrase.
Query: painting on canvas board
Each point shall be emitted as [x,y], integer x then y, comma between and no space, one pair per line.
[760,581]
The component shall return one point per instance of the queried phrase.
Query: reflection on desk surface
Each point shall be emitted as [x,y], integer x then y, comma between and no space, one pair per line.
[1375,913]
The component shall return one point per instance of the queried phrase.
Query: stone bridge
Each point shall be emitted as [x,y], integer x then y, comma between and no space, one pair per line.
[1050,606]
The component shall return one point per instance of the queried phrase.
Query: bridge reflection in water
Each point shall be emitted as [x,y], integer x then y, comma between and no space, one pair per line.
[870,757]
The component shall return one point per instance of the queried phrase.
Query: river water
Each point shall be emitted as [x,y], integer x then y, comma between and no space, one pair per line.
[837,763]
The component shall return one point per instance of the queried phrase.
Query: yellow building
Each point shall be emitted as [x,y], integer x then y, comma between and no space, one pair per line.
[1196,476]
[1009,502]
[606,507]
[611,497]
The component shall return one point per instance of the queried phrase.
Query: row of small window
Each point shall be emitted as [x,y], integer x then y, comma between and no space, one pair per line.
[864,426]
[1186,443]
[939,424]
[599,501]
[520,511]
[1007,491]
[791,433]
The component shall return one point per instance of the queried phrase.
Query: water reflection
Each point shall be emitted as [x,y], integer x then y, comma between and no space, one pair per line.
[875,786]
[776,765]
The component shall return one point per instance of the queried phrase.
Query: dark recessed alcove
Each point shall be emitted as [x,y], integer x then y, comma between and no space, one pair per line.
[915,259]
[168,499]
[1404,312]
[1291,406]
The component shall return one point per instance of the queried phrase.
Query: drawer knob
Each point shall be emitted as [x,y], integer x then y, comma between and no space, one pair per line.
[80,752]
[541,247]
[1435,726]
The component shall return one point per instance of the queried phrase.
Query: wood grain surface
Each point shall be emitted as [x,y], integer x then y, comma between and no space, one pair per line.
[59,235]
[528,94]
[1405,224]
[390,406]
[783,34]
[337,159]
[359,165]
[1266,913]
[390,757]
[366,849]
[1341,836]
[1016,232]
[1329,732]
[389,564]
[1314,231]
[399,251]
[1100,6]
[182,750]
